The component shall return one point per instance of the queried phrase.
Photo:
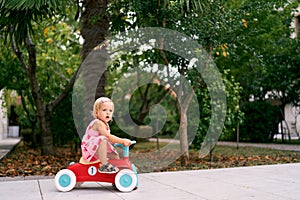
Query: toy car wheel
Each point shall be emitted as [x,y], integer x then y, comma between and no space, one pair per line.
[125,180]
[65,180]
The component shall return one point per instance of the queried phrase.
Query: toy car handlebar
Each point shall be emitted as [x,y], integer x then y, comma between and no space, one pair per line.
[124,148]
[121,145]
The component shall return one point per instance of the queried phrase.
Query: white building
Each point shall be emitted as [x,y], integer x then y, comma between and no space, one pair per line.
[295,24]
[292,122]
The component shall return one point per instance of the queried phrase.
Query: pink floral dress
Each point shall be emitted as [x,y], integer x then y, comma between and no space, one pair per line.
[90,143]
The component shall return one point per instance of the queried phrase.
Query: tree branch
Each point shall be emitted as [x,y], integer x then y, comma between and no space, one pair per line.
[50,106]
[18,53]
[30,46]
[31,117]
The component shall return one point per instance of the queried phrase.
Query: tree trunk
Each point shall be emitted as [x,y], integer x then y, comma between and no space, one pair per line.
[95,26]
[46,134]
[44,121]
[47,141]
[32,119]
[184,105]
[184,143]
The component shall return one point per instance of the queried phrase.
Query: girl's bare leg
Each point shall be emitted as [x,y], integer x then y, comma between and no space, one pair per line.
[102,155]
[102,152]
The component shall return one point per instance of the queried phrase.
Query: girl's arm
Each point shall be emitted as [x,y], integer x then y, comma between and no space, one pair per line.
[115,139]
[101,127]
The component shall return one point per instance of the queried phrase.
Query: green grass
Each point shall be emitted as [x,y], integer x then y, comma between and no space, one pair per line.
[146,146]
[251,151]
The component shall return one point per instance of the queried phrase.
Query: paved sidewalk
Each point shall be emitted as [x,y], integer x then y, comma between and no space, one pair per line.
[275,182]
[6,145]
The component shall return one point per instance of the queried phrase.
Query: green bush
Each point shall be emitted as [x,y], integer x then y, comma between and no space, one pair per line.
[63,127]
[261,118]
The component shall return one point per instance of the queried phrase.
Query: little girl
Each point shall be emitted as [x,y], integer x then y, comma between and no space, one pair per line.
[97,142]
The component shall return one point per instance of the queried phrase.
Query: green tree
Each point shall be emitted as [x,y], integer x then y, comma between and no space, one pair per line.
[260,52]
[203,20]
[19,24]
[281,81]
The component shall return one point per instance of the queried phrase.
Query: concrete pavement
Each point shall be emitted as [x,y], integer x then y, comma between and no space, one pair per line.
[273,182]
[7,144]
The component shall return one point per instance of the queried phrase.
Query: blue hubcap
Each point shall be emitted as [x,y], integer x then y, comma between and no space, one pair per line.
[125,180]
[64,180]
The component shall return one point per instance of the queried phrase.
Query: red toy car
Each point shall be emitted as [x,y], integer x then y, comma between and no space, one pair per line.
[125,179]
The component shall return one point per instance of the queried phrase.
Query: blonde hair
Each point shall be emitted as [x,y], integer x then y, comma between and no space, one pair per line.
[99,102]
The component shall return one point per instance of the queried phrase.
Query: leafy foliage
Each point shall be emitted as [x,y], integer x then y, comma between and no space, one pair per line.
[206,24]
[248,39]
[260,52]
[261,120]
[58,55]
[57,59]
[13,73]
[17,16]
[49,62]
[64,131]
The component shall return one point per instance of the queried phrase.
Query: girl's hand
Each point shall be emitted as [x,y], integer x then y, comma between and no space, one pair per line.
[126,142]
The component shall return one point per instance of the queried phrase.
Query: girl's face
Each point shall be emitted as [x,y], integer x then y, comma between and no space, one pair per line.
[105,112]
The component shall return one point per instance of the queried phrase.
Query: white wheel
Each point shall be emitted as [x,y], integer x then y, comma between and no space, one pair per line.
[65,180]
[125,180]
